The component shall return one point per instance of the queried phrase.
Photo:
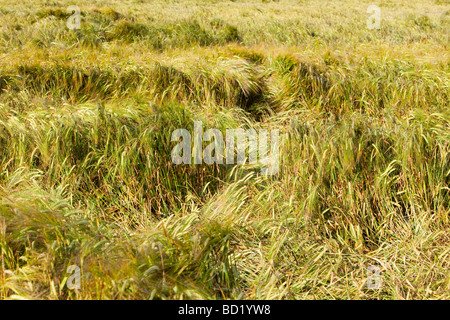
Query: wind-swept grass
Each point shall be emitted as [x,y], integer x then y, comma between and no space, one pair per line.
[86,176]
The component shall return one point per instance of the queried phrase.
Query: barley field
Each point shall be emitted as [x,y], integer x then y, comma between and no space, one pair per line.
[87,183]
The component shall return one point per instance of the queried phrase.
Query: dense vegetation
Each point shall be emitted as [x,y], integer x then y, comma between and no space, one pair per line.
[86,176]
